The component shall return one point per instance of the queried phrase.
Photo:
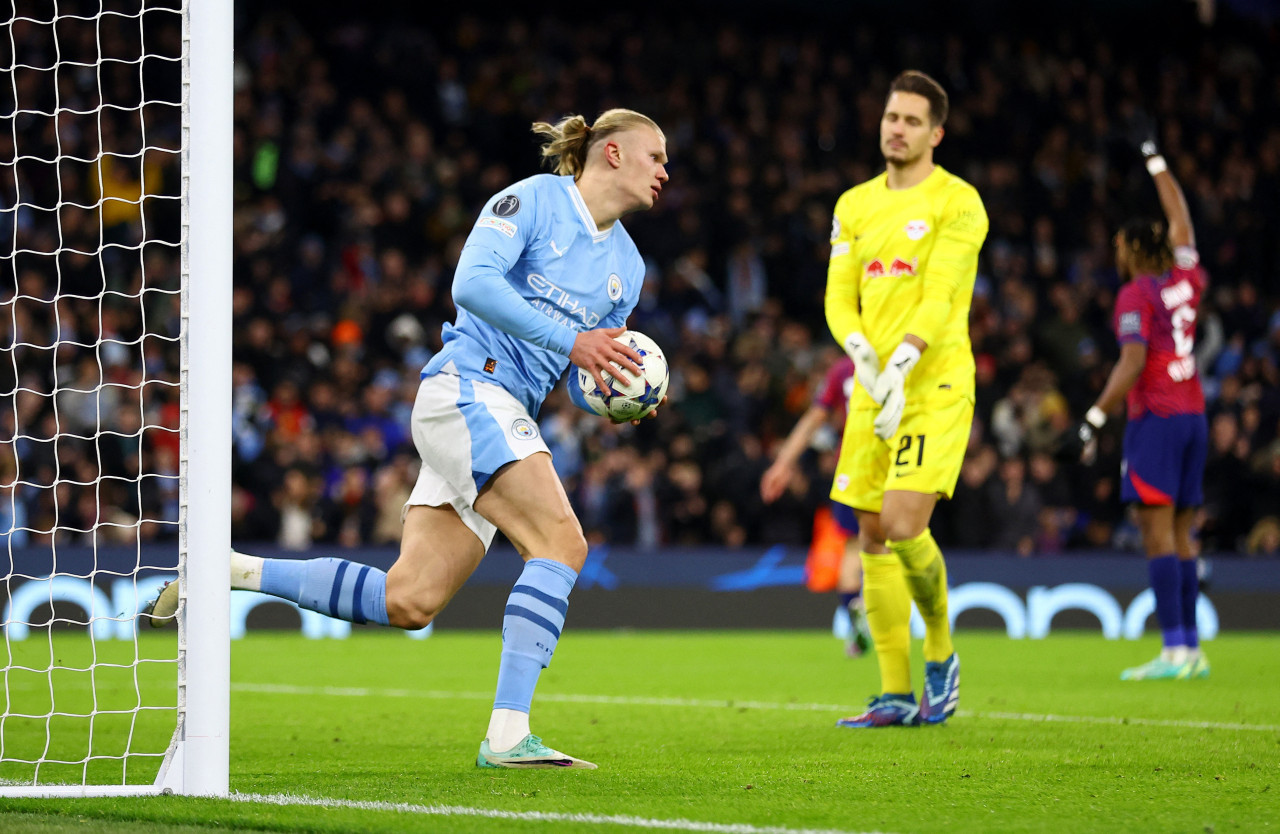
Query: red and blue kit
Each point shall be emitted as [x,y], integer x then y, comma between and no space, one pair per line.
[1166,440]
[837,388]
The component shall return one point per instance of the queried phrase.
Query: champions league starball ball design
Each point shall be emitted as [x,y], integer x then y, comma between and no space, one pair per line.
[629,397]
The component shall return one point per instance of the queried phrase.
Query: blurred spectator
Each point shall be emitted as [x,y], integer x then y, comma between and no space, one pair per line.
[1015,507]
[1057,517]
[1264,538]
[363,150]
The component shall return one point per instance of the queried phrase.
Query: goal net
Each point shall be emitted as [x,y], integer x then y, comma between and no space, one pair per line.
[114,179]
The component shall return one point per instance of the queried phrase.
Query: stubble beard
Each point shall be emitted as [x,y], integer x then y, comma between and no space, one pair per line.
[900,162]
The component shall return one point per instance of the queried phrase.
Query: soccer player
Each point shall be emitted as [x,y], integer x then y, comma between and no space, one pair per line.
[831,403]
[904,256]
[548,277]
[1166,437]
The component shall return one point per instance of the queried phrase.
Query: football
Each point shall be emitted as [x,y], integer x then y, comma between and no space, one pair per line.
[629,397]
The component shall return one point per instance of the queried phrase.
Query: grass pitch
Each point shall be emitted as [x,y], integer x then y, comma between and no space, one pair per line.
[725,732]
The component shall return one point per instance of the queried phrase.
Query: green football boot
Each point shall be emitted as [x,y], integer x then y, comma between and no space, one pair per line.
[1198,668]
[1158,669]
[529,753]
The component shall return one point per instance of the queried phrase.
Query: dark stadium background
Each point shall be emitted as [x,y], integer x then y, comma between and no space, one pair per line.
[771,111]
[367,137]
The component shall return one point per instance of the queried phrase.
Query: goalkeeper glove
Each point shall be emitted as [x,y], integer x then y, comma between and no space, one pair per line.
[890,389]
[866,365]
[1081,444]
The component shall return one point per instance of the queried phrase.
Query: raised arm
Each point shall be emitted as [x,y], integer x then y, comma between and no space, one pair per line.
[1172,200]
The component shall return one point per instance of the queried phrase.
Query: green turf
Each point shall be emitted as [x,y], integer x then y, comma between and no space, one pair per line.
[730,728]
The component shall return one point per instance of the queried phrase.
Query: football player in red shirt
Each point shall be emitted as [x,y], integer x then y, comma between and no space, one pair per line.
[1166,438]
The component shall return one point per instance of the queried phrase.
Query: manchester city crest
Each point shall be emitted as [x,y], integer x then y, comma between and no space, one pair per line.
[523,429]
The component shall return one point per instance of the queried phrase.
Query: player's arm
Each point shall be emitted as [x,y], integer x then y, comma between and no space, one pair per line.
[1133,357]
[480,283]
[575,393]
[1172,200]
[1081,444]
[1133,329]
[842,303]
[480,287]
[963,229]
[775,479]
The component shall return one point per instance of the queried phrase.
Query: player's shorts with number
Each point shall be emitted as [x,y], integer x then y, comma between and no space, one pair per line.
[465,431]
[1164,460]
[924,456]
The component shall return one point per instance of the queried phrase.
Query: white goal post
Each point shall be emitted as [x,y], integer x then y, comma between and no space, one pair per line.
[93,702]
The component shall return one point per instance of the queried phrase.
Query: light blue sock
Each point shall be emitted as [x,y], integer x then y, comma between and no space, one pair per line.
[336,587]
[530,629]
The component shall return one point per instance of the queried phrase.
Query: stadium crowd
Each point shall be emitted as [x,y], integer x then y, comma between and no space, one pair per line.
[363,152]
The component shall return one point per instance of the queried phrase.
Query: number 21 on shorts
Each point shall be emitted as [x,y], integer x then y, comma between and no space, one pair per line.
[910,452]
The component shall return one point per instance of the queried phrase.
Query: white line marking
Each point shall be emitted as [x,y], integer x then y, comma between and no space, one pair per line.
[1102,719]
[532,816]
[697,703]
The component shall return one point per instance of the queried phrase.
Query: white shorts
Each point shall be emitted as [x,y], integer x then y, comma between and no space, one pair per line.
[465,431]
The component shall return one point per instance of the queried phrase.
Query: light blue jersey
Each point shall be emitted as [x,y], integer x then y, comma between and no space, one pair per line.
[534,273]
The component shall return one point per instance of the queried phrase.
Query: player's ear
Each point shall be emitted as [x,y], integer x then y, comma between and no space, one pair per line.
[613,154]
[937,136]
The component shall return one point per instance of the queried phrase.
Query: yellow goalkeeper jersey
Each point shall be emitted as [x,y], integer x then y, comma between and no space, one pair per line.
[904,261]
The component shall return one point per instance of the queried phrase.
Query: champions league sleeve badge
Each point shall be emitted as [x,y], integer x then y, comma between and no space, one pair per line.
[507,206]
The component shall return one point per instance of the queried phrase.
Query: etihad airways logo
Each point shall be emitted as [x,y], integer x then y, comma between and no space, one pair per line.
[559,305]
[896,267]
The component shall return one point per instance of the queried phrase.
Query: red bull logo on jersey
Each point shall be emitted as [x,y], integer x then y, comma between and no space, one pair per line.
[901,267]
[897,267]
[916,229]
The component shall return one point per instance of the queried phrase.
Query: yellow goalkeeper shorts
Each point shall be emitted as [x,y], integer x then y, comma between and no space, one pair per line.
[924,456]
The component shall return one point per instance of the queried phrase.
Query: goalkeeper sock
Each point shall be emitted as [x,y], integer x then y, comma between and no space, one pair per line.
[336,587]
[530,629]
[889,618]
[926,576]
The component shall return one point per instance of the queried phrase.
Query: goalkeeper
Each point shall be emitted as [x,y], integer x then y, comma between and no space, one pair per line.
[547,277]
[904,255]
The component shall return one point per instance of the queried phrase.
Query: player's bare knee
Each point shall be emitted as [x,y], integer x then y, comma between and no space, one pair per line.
[408,615]
[561,538]
[574,552]
[870,536]
[897,529]
[409,610]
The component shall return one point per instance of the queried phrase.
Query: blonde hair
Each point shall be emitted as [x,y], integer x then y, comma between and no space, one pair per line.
[570,139]
[1261,540]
